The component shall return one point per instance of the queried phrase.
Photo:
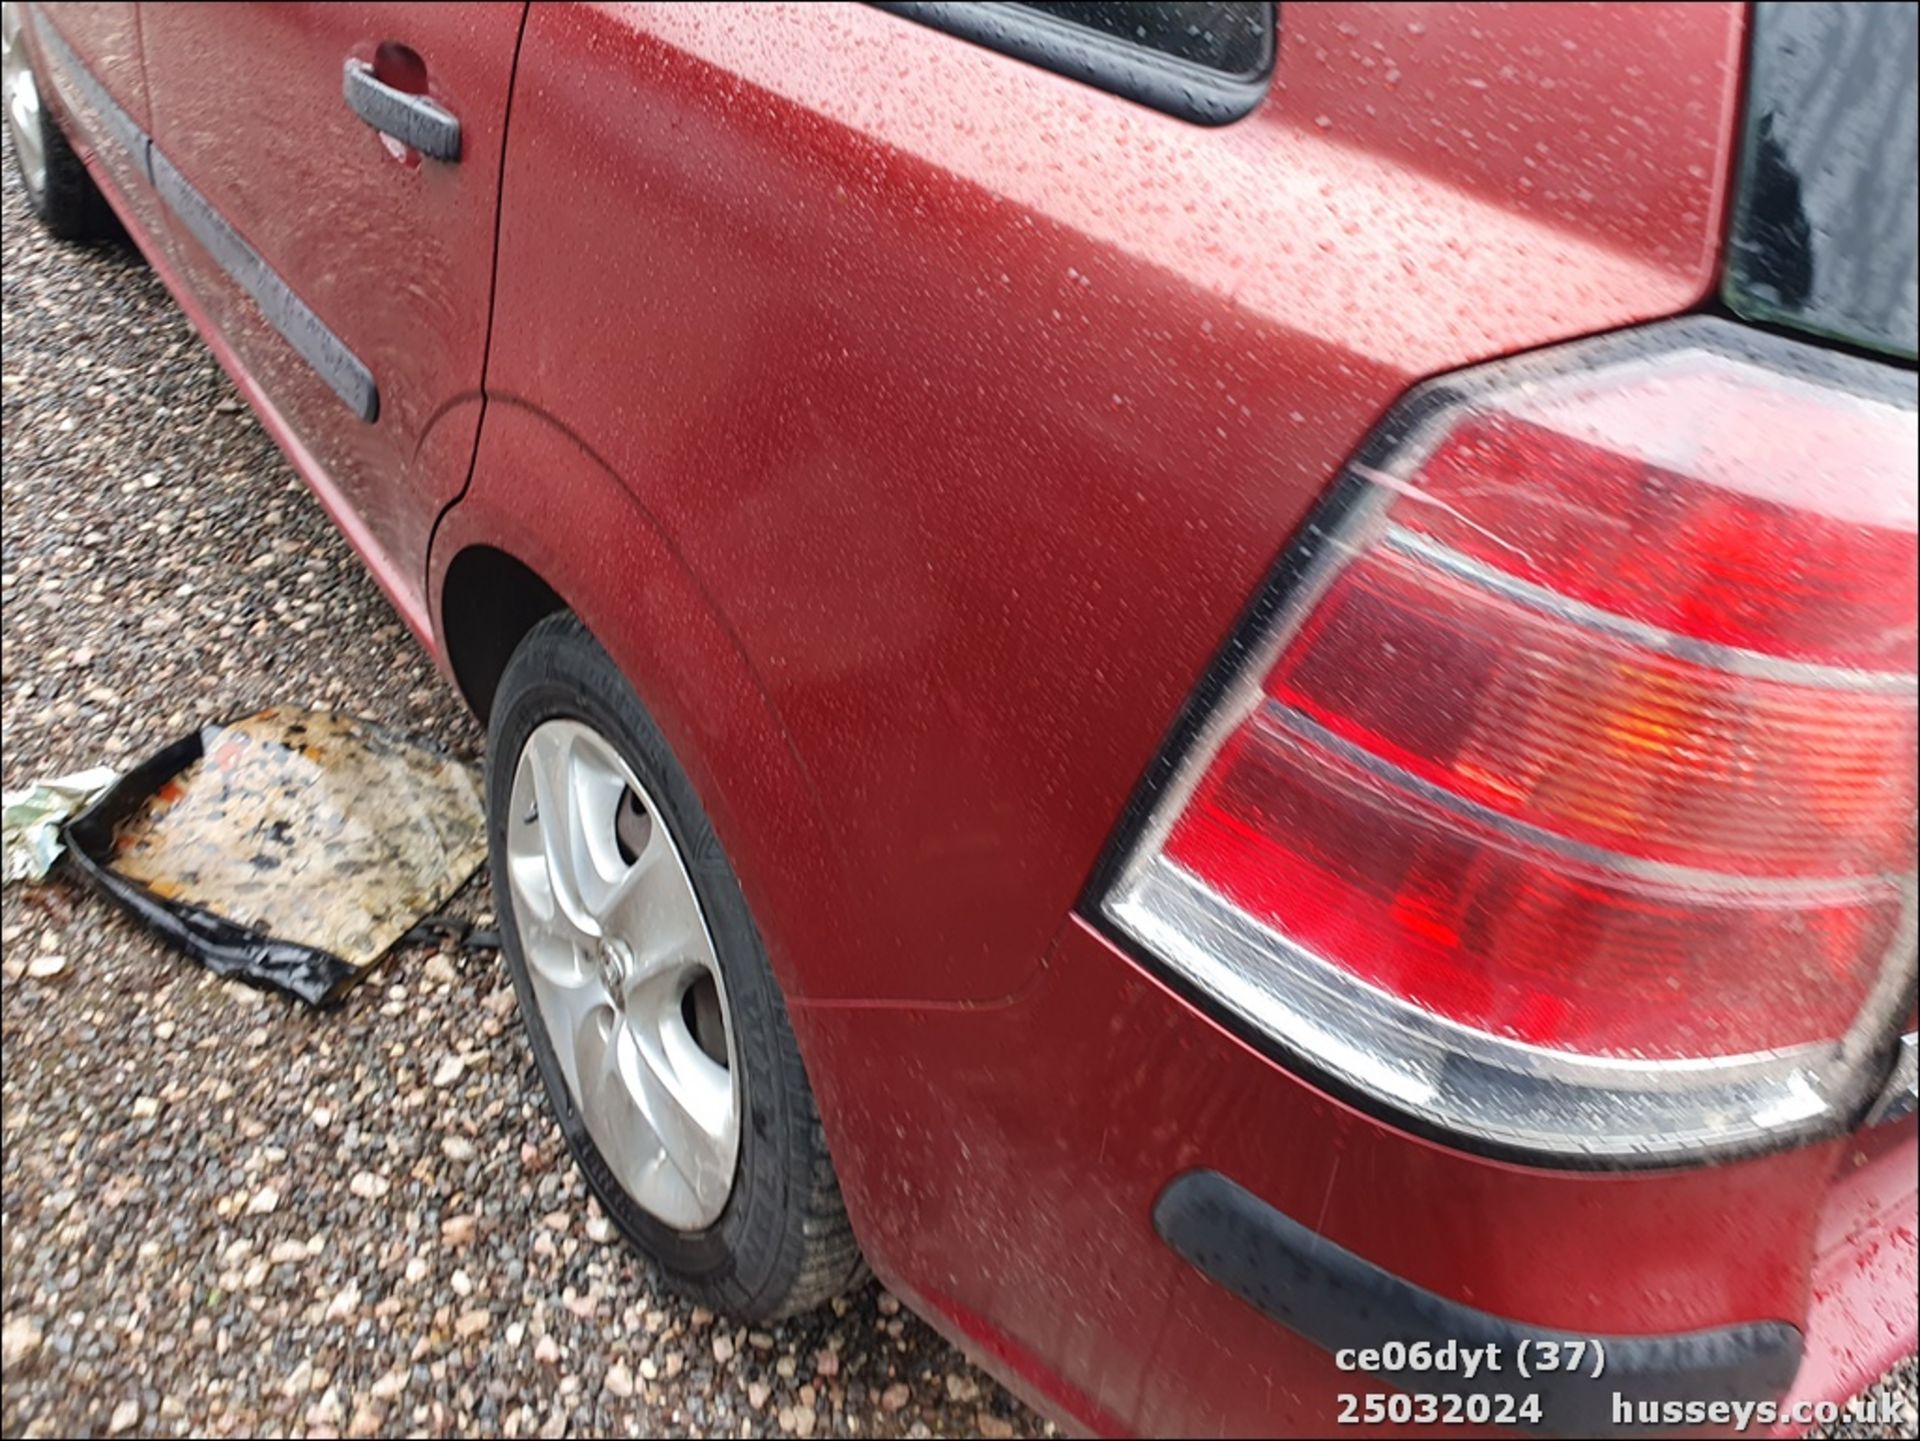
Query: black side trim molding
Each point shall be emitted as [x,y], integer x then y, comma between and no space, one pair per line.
[1337,1300]
[285,311]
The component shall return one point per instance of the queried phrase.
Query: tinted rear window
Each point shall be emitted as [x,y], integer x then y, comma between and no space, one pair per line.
[1826,233]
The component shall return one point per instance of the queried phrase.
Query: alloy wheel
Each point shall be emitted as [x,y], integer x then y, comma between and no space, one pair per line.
[22,99]
[624,973]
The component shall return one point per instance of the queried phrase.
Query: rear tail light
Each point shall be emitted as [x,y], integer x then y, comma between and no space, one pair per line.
[1565,801]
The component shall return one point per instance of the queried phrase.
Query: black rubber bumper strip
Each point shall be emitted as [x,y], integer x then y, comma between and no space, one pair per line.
[1338,1300]
[286,312]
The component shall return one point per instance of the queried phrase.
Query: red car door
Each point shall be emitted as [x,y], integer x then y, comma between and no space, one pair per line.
[332,174]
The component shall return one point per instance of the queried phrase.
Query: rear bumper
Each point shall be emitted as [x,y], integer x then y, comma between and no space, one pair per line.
[1350,1308]
[1003,1165]
[1861,1311]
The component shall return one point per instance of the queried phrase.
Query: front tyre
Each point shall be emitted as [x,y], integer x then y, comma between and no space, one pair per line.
[654,1018]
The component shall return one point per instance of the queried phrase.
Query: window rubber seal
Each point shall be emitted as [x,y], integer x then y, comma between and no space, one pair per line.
[1158,81]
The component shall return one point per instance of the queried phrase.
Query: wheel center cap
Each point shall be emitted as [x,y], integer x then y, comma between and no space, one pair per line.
[616,969]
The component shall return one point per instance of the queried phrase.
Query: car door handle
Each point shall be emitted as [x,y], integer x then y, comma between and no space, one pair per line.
[411,119]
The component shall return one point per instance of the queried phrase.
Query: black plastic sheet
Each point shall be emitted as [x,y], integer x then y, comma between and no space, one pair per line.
[291,849]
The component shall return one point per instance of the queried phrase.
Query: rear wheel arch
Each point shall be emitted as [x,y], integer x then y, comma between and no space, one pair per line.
[544,517]
[776,1239]
[545,526]
[489,602]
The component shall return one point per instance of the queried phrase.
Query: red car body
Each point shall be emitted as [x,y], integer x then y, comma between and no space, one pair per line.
[911,424]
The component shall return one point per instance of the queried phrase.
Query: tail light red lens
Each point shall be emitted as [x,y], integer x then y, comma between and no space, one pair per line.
[1602,738]
[1571,793]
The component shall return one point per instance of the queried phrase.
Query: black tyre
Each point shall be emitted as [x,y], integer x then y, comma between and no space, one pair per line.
[646,993]
[59,189]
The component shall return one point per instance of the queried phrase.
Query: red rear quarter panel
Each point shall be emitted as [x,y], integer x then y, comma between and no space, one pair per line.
[978,401]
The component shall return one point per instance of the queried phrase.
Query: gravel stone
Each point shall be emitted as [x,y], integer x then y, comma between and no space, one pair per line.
[161,566]
[1897,1390]
[472,1323]
[20,1340]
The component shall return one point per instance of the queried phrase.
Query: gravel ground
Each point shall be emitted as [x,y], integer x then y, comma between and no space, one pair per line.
[223,1213]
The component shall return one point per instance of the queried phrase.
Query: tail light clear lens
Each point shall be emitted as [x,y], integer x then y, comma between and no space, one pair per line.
[1566,800]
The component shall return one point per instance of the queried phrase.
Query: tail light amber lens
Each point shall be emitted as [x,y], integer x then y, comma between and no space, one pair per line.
[1569,797]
